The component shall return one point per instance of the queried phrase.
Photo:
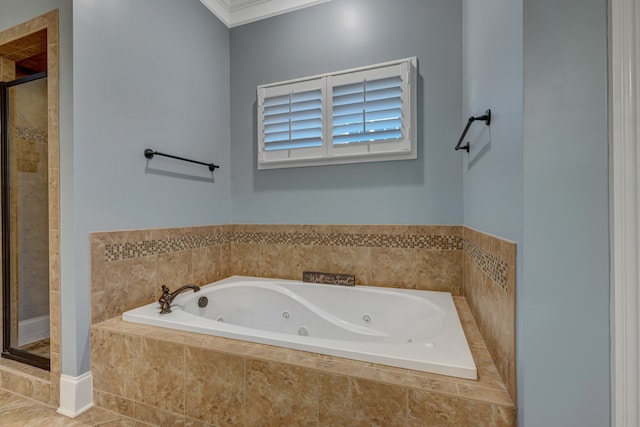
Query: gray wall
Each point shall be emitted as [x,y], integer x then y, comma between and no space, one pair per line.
[539,176]
[493,169]
[147,73]
[156,73]
[492,78]
[564,296]
[337,35]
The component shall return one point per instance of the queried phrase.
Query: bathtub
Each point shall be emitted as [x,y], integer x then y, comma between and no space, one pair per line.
[411,329]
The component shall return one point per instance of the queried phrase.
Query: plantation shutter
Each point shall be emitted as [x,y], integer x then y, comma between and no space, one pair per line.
[293,120]
[368,111]
[359,115]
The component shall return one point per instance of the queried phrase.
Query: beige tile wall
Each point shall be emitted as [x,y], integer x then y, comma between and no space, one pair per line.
[7,73]
[28,193]
[402,256]
[129,267]
[490,289]
[32,382]
[169,377]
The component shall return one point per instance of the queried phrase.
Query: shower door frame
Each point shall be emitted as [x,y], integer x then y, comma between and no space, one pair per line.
[8,351]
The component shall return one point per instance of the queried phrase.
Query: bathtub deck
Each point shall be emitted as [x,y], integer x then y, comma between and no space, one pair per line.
[486,397]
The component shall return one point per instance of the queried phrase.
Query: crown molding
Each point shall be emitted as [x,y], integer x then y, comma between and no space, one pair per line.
[238,12]
[220,8]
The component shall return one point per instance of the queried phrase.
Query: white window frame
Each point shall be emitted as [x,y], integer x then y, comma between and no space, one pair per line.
[328,154]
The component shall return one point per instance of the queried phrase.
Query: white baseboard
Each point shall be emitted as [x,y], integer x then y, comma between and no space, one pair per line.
[32,330]
[76,394]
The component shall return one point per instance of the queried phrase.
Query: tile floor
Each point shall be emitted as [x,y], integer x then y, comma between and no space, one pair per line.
[41,348]
[17,411]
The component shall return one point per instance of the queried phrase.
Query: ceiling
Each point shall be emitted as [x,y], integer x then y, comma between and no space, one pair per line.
[28,52]
[238,12]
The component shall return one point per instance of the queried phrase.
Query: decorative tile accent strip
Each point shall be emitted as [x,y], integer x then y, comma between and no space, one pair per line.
[493,266]
[33,135]
[329,278]
[128,250]
[404,241]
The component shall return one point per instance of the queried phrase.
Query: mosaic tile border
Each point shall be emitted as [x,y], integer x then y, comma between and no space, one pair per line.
[493,266]
[142,248]
[33,135]
[128,250]
[402,241]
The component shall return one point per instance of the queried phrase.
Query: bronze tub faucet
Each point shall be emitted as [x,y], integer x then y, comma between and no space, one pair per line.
[167,297]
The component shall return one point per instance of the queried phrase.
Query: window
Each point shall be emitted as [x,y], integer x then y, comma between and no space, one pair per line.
[360,115]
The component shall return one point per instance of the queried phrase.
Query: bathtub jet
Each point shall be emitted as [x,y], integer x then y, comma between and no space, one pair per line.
[410,329]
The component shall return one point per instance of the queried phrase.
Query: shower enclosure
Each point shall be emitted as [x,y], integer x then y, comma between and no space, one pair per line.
[25,220]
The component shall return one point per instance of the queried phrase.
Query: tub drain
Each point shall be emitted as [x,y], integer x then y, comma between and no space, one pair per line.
[220,319]
[366,318]
[286,315]
[303,331]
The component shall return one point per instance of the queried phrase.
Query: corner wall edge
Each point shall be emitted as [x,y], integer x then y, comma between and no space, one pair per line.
[624,189]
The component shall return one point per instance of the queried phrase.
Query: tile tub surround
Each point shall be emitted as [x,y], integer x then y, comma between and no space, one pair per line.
[403,256]
[169,377]
[131,266]
[490,289]
[128,268]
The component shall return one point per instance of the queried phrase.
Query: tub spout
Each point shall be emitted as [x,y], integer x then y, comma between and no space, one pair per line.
[167,297]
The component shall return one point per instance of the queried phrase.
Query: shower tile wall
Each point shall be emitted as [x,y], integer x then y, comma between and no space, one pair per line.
[28,114]
[15,377]
[31,166]
[7,73]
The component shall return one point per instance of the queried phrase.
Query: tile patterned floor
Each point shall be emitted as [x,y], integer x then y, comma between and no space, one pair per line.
[17,411]
[41,348]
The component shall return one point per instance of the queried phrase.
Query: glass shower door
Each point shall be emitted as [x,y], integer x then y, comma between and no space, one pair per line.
[25,221]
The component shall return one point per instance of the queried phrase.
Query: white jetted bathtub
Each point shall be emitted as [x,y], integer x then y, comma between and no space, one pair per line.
[411,329]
